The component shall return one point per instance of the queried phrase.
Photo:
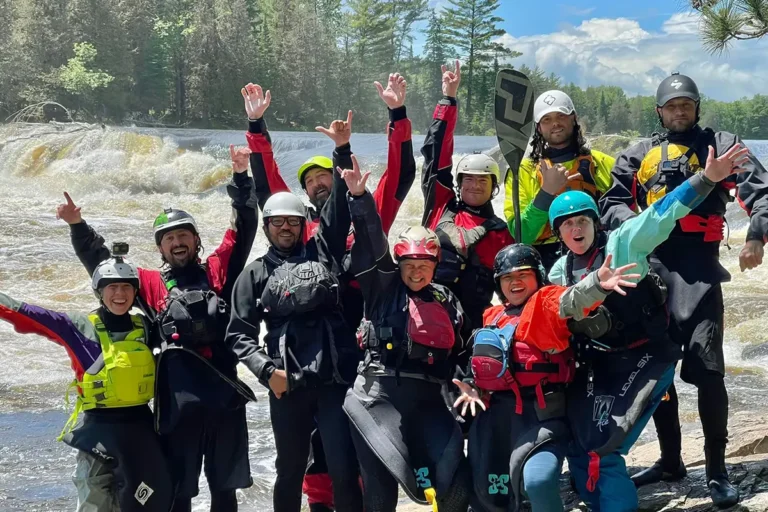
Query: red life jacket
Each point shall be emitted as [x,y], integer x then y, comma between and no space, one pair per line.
[502,363]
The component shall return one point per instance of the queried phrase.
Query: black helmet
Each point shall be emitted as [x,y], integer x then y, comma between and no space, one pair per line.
[676,86]
[517,257]
[172,219]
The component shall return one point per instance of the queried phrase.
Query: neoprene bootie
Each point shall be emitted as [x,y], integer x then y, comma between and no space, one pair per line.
[660,471]
[722,492]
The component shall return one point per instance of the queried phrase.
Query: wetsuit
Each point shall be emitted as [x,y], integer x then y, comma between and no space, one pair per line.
[120,463]
[624,373]
[391,191]
[403,432]
[467,257]
[315,346]
[200,402]
[520,441]
[688,262]
[595,170]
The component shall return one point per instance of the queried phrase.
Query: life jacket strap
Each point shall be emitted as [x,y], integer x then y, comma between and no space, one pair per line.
[711,226]
[540,394]
[593,473]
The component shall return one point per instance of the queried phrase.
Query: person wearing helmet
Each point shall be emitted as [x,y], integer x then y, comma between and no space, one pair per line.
[521,362]
[413,335]
[200,402]
[120,462]
[309,354]
[470,232]
[623,349]
[559,161]
[315,178]
[688,263]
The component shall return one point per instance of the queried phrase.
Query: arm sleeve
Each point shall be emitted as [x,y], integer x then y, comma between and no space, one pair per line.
[534,218]
[578,300]
[625,197]
[245,322]
[396,182]
[229,259]
[557,272]
[266,174]
[436,174]
[603,165]
[89,246]
[335,219]
[752,188]
[529,190]
[371,262]
[639,236]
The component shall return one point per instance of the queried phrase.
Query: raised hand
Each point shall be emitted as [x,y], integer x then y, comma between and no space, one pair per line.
[340,131]
[717,169]
[451,80]
[394,94]
[612,279]
[469,397]
[239,158]
[69,212]
[256,102]
[554,178]
[355,181]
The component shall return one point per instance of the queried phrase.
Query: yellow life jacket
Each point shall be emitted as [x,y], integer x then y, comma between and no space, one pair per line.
[584,167]
[664,167]
[125,379]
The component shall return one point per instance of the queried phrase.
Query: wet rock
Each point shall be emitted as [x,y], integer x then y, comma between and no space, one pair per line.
[747,462]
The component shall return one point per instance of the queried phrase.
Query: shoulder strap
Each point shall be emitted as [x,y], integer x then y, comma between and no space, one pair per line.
[706,135]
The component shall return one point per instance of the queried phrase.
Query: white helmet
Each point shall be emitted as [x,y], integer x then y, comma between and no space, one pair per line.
[114,270]
[284,204]
[552,101]
[478,164]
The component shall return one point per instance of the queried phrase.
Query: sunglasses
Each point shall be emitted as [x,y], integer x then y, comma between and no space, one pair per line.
[279,221]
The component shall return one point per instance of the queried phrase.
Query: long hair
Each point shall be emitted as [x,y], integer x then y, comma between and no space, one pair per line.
[538,144]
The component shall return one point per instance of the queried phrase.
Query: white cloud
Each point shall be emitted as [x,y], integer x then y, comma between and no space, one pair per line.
[620,52]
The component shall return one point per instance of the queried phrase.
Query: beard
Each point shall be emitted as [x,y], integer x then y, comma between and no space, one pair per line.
[322,195]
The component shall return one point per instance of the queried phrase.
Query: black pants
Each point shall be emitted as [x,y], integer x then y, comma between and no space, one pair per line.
[703,366]
[294,417]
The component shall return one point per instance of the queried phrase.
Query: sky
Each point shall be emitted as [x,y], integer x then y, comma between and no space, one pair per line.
[632,44]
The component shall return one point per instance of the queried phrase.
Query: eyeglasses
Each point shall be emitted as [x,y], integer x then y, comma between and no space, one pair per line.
[279,221]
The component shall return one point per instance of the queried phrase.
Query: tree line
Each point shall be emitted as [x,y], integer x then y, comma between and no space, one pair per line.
[183,62]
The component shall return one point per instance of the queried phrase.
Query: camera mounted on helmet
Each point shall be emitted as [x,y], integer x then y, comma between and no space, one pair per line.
[116,269]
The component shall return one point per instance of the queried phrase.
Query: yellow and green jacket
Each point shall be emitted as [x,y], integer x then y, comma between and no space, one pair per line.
[595,169]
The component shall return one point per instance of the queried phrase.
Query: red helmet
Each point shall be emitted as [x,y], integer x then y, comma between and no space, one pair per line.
[417,243]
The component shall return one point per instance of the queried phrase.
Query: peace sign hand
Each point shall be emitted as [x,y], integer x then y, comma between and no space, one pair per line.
[69,212]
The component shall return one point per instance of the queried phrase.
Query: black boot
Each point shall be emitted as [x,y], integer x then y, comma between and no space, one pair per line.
[723,494]
[670,466]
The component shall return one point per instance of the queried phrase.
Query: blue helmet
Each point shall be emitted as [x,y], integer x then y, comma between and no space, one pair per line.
[569,204]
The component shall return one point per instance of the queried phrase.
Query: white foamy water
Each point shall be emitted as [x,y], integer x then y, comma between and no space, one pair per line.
[122,178]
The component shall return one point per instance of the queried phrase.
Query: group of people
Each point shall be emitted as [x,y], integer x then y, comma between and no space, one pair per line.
[373,356]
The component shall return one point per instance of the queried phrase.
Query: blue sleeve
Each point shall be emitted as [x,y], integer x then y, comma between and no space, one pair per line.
[557,273]
[639,236]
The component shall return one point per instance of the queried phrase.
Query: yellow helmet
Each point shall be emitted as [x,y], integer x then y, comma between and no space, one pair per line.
[322,162]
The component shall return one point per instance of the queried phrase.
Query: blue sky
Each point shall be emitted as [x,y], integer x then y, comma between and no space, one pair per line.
[630,44]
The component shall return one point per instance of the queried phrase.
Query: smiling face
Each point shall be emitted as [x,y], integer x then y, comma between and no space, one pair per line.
[518,286]
[284,232]
[578,233]
[476,189]
[179,247]
[678,115]
[417,273]
[557,129]
[318,183]
[118,297]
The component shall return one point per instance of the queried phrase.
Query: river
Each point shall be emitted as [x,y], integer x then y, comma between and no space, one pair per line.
[122,178]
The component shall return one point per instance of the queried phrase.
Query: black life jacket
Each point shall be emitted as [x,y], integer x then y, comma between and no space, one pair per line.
[302,301]
[460,268]
[416,327]
[621,322]
[194,315]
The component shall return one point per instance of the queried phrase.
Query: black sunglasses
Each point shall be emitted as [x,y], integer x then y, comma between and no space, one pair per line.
[279,221]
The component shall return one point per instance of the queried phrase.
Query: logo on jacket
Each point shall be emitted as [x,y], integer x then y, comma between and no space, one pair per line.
[499,484]
[143,492]
[422,478]
[601,410]
[640,365]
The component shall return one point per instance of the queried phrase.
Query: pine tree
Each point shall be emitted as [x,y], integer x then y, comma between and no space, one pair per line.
[471,28]
[725,21]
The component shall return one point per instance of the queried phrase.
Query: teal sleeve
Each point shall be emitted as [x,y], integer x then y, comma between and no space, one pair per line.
[639,236]
[557,273]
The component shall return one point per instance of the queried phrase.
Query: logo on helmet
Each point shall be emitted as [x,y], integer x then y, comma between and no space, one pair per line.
[549,100]
[677,84]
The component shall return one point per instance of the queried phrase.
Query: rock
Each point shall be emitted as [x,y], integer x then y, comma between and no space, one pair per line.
[746,461]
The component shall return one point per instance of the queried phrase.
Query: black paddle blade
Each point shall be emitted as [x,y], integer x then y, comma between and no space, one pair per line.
[513,110]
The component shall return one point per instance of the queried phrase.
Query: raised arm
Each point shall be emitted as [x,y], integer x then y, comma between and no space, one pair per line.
[88,244]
